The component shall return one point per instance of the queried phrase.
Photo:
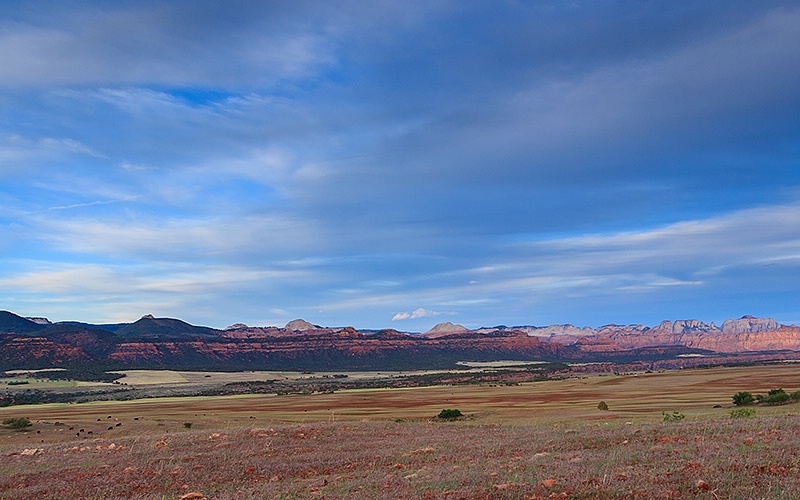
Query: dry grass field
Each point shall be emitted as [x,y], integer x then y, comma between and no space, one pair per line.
[149,377]
[535,440]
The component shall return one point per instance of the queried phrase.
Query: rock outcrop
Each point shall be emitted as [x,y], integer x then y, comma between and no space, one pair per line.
[444,329]
[749,324]
[747,334]
[236,326]
[554,331]
[299,325]
[169,343]
[41,321]
[682,326]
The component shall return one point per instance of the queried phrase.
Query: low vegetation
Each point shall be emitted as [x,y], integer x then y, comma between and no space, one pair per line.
[743,412]
[773,396]
[17,423]
[728,458]
[535,440]
[742,398]
[86,375]
[450,414]
[675,416]
[313,384]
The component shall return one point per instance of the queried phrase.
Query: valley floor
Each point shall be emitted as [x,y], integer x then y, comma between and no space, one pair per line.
[533,440]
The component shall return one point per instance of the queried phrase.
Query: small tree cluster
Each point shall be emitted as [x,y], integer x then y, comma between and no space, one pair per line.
[773,396]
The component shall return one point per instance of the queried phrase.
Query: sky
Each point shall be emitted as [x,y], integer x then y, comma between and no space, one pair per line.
[400,164]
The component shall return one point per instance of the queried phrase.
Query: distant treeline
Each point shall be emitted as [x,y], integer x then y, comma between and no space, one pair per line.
[81,375]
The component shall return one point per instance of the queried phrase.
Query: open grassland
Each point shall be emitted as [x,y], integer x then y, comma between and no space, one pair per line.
[162,377]
[744,458]
[521,441]
[641,396]
[40,383]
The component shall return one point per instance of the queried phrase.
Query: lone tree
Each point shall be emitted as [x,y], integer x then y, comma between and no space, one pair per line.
[17,423]
[602,405]
[742,398]
[450,414]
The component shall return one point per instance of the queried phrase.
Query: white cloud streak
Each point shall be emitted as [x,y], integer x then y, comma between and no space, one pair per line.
[420,313]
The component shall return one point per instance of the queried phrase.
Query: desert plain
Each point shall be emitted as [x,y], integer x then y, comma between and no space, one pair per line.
[543,439]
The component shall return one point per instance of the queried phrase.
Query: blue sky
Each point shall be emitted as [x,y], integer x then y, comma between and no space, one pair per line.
[400,164]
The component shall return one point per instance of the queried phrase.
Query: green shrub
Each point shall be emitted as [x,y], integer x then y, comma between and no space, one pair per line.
[742,398]
[675,416]
[743,412]
[779,398]
[188,425]
[602,405]
[795,395]
[450,414]
[17,423]
[773,396]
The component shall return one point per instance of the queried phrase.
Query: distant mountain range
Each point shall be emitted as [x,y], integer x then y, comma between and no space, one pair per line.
[30,343]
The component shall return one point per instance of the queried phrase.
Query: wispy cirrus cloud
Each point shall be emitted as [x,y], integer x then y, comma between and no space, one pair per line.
[91,45]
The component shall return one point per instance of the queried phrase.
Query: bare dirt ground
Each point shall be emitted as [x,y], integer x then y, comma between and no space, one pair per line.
[536,440]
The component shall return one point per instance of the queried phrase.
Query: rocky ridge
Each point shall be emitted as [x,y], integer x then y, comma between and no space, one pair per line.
[444,329]
[300,325]
[166,342]
[746,334]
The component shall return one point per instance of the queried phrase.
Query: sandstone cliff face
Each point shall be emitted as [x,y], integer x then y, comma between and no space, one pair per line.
[152,342]
[610,329]
[39,352]
[783,338]
[686,326]
[561,334]
[749,324]
[340,349]
[247,332]
[596,344]
[746,334]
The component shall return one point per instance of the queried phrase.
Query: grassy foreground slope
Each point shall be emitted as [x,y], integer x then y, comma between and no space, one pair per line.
[536,440]
[743,458]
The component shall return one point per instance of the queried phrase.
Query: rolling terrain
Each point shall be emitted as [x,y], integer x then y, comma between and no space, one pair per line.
[533,440]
